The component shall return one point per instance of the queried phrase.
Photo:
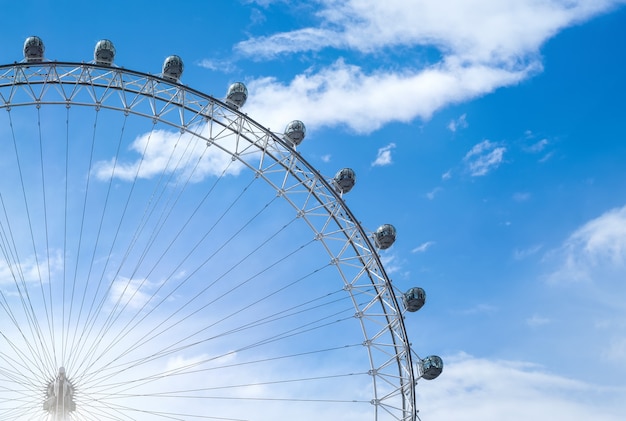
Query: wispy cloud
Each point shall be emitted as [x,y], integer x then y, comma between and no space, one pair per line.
[431,194]
[595,251]
[224,66]
[479,309]
[537,146]
[546,157]
[459,123]
[521,254]
[169,152]
[31,268]
[616,351]
[537,320]
[423,247]
[134,293]
[484,157]
[493,390]
[521,196]
[391,263]
[345,94]
[384,156]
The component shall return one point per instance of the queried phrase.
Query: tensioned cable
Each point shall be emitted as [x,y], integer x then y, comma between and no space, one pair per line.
[24,364]
[162,220]
[277,337]
[111,319]
[118,229]
[185,280]
[47,241]
[252,324]
[79,247]
[100,397]
[174,197]
[27,302]
[103,330]
[64,331]
[210,257]
[117,408]
[177,394]
[87,329]
[11,315]
[298,330]
[177,347]
[255,323]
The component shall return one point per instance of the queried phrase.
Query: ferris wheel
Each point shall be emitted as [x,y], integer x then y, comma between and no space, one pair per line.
[163,256]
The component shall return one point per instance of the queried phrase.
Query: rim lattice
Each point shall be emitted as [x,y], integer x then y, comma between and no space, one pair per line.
[271,158]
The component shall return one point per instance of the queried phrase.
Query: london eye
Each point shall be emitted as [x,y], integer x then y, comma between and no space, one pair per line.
[163,256]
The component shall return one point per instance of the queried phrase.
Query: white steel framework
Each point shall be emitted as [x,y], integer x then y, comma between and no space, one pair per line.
[213,124]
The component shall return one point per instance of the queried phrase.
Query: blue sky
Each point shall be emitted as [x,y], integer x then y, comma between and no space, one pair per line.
[489,133]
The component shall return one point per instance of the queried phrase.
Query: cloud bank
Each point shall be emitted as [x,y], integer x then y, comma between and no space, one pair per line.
[493,390]
[481,45]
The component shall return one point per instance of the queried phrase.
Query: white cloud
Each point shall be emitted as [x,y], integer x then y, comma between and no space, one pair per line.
[431,194]
[384,156]
[446,175]
[391,263]
[493,390]
[588,271]
[484,44]
[479,309]
[31,269]
[470,29]
[484,157]
[459,123]
[616,351]
[423,247]
[346,94]
[537,146]
[161,151]
[537,320]
[521,196]
[134,293]
[521,254]
[225,66]
[546,157]
[596,251]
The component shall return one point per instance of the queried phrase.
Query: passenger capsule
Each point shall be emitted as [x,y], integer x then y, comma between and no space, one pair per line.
[237,94]
[414,299]
[431,367]
[295,132]
[33,49]
[385,236]
[173,68]
[344,180]
[104,53]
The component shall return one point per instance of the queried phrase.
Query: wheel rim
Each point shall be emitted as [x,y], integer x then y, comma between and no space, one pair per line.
[71,336]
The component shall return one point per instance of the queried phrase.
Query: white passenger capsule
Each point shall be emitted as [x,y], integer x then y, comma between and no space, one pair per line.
[344,180]
[33,49]
[385,236]
[431,367]
[414,299]
[295,132]
[104,53]
[173,68]
[237,94]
